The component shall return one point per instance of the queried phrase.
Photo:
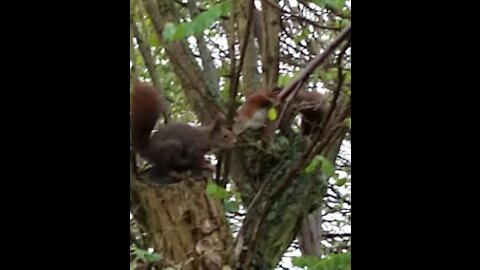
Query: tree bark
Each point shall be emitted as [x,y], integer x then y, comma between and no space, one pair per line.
[271,44]
[188,71]
[188,227]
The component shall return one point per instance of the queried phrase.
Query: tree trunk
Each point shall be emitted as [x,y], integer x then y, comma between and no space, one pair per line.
[187,226]
[310,234]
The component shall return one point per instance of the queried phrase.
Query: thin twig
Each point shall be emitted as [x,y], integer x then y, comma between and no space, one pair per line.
[297,83]
[212,78]
[199,8]
[336,93]
[300,18]
[238,70]
[147,57]
[236,78]
[316,62]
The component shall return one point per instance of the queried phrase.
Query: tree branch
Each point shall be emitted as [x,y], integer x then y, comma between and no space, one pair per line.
[271,46]
[184,65]
[237,70]
[207,60]
[147,57]
[300,18]
[316,62]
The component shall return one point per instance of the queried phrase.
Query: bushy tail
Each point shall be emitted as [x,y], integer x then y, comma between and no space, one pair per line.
[146,109]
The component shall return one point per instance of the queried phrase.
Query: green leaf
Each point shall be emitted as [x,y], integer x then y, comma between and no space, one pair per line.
[320,3]
[180,32]
[284,79]
[216,191]
[216,11]
[152,257]
[328,168]
[231,206]
[238,196]
[339,4]
[189,29]
[305,261]
[328,74]
[212,188]
[153,40]
[334,262]
[169,31]
[200,22]
[272,114]
[313,165]
[341,182]
[302,35]
[348,122]
[226,7]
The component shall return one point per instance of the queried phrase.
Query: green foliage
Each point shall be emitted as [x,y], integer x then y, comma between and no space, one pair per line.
[328,75]
[305,261]
[325,165]
[341,181]
[348,122]
[282,140]
[341,23]
[231,206]
[341,261]
[169,31]
[217,191]
[302,35]
[284,79]
[204,20]
[153,40]
[348,77]
[337,4]
[231,201]
[142,255]
[271,216]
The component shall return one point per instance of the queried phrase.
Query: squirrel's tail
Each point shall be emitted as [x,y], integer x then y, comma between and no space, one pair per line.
[146,110]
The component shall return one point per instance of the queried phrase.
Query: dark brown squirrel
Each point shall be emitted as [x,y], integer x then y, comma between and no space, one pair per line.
[174,147]
[253,113]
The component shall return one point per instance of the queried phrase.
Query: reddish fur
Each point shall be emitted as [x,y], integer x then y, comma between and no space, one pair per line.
[253,112]
[255,101]
[147,107]
[261,100]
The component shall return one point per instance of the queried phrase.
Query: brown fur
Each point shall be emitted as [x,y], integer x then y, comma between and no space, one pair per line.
[314,107]
[174,147]
[252,114]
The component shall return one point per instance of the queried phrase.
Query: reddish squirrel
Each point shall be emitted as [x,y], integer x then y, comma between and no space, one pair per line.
[253,113]
[174,147]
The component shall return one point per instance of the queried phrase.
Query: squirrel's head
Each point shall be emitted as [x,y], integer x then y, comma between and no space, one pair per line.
[253,113]
[220,136]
